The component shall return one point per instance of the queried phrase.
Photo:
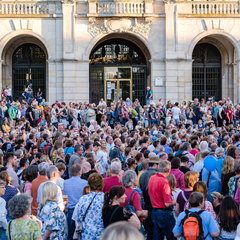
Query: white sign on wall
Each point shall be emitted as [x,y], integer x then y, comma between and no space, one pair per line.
[158,81]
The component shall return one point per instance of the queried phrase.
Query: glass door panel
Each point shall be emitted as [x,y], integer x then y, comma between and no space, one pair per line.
[124,89]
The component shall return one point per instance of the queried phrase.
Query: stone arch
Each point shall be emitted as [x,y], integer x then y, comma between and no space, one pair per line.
[229,54]
[10,44]
[213,32]
[143,53]
[140,41]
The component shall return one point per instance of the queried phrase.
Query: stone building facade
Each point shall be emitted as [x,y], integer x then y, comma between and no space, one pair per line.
[83,50]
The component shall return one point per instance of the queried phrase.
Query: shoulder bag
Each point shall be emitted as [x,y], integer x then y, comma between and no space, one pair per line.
[79,228]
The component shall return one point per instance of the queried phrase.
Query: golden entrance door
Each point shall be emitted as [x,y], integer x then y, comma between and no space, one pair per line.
[117,83]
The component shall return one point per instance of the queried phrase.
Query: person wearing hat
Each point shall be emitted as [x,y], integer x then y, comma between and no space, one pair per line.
[149,95]
[42,169]
[153,168]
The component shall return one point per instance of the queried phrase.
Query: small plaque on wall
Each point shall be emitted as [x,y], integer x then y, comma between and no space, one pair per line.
[158,81]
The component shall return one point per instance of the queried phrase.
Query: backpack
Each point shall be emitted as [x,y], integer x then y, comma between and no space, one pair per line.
[4,146]
[27,113]
[192,226]
[109,115]
[200,176]
[6,114]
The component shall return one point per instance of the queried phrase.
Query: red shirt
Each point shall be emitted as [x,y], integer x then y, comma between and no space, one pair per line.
[159,191]
[110,182]
[135,200]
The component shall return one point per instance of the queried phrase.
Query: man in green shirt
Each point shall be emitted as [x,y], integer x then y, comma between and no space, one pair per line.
[12,115]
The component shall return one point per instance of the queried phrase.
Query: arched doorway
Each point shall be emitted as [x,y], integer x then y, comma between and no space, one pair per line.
[206,72]
[28,66]
[117,69]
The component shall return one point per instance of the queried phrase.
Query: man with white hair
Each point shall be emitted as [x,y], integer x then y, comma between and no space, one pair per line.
[115,179]
[149,95]
[203,146]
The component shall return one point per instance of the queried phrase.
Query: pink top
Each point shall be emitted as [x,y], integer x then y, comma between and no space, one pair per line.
[179,175]
[237,197]
[28,186]
[194,152]
[208,207]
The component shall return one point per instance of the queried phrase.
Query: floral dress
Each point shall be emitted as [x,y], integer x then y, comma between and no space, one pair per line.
[24,230]
[233,186]
[93,223]
[53,219]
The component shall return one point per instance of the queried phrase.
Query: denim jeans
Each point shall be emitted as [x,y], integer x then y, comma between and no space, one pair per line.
[163,224]
[71,223]
[3,235]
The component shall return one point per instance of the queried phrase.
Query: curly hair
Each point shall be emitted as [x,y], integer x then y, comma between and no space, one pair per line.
[19,205]
[5,175]
[95,182]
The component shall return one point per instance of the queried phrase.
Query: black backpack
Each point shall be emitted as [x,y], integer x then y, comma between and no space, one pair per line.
[200,176]
[6,114]
[4,146]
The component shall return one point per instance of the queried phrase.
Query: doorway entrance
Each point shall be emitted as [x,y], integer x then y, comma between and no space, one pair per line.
[118,83]
[206,72]
[28,66]
[117,69]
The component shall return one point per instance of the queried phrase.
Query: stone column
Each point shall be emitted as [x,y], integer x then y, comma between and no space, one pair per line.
[1,76]
[69,61]
[171,52]
[235,89]
[51,91]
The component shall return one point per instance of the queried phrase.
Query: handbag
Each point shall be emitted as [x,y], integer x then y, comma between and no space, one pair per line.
[79,227]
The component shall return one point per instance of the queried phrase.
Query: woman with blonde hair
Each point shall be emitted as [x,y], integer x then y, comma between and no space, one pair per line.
[121,230]
[53,219]
[57,144]
[227,173]
[102,157]
[217,201]
[197,157]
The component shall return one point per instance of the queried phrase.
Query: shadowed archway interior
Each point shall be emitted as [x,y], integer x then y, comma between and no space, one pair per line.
[206,72]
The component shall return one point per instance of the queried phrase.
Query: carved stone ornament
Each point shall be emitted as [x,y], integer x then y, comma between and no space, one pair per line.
[170,1]
[68,1]
[111,25]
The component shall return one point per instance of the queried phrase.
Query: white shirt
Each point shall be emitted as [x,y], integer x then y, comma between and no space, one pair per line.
[3,213]
[8,91]
[102,103]
[60,182]
[176,111]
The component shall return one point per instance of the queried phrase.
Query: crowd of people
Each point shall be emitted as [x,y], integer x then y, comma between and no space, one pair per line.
[122,171]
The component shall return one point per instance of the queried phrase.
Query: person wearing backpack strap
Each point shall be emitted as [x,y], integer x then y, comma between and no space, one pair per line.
[212,180]
[195,223]
[112,211]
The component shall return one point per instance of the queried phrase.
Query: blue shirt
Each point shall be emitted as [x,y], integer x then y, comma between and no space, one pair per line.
[73,187]
[209,224]
[58,197]
[220,166]
[68,150]
[214,185]
[167,149]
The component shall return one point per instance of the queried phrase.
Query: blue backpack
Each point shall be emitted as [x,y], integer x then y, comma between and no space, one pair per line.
[132,209]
